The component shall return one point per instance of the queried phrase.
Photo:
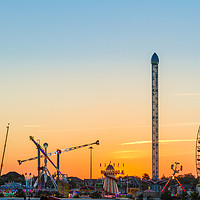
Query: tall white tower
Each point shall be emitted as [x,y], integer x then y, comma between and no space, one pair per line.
[155,138]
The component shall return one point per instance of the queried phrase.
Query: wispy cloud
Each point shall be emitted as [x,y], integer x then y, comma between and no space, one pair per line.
[124,151]
[91,129]
[117,127]
[31,126]
[182,124]
[125,154]
[187,94]
[160,141]
[137,142]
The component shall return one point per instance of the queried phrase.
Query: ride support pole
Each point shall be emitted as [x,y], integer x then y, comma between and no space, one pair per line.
[165,185]
[58,165]
[39,175]
[180,185]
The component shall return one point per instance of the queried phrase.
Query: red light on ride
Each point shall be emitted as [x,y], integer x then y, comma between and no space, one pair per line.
[59,151]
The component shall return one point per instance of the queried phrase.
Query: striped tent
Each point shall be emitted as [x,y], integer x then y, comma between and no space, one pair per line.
[110,182]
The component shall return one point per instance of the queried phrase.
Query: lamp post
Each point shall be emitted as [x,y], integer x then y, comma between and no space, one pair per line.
[45,145]
[90,162]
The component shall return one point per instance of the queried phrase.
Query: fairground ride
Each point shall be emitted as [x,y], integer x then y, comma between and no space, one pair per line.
[46,156]
[110,182]
[58,152]
[198,154]
[4,149]
[176,169]
[40,149]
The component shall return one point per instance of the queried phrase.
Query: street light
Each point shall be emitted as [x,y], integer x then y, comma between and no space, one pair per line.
[90,162]
[45,145]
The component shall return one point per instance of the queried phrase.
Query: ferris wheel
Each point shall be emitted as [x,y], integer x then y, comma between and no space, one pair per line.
[198,154]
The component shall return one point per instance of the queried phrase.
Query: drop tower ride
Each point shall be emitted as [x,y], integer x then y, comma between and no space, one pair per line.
[155,127]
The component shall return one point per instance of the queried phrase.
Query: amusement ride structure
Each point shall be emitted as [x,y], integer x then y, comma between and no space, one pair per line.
[4,149]
[45,171]
[198,160]
[110,182]
[176,169]
[155,181]
[155,128]
[46,155]
[198,154]
[40,149]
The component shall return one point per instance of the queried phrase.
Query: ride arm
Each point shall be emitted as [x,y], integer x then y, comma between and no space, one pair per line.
[34,158]
[165,185]
[59,151]
[78,147]
[180,185]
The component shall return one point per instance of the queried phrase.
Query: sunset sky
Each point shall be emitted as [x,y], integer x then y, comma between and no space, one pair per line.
[76,71]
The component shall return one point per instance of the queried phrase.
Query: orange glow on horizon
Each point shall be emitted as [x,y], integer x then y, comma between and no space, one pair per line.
[136,156]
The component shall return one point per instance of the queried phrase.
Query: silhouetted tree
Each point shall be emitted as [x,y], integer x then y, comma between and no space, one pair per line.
[2,181]
[145,176]
[12,177]
[187,179]
[163,177]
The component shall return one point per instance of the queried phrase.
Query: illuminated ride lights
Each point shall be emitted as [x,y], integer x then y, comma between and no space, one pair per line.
[57,152]
[46,156]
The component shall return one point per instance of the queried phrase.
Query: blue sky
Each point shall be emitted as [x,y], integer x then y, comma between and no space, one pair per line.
[98,30]
[48,41]
[76,60]
[43,37]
